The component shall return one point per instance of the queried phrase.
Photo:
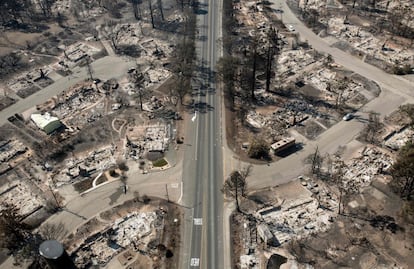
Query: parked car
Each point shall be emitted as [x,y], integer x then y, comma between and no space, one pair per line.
[348,117]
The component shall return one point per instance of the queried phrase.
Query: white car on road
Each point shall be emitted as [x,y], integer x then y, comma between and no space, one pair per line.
[348,117]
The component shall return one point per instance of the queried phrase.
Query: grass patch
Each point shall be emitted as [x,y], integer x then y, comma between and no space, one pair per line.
[159,163]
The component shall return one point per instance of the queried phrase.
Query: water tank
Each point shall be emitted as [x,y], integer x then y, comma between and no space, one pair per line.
[55,255]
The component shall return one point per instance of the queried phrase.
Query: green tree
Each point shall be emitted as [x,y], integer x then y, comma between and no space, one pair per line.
[259,149]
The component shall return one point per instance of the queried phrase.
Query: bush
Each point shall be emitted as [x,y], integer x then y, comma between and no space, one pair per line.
[169,254]
[145,199]
[122,166]
[113,173]
[259,149]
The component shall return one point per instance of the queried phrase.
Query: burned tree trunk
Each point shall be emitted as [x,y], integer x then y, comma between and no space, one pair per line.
[151,13]
[159,2]
[253,86]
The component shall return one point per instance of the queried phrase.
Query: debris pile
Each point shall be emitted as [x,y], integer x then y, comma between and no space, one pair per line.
[320,78]
[361,170]
[305,207]
[291,62]
[249,262]
[399,139]
[134,226]
[325,80]
[95,161]
[153,104]
[10,149]
[80,105]
[255,119]
[28,83]
[20,195]
[366,43]
[136,230]
[73,54]
[152,138]
[297,219]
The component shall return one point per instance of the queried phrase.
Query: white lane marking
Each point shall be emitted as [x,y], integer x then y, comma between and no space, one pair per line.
[198,221]
[196,138]
[195,262]
[194,117]
[181,194]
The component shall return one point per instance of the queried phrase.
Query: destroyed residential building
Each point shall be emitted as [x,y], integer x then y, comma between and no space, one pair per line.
[361,170]
[74,54]
[10,149]
[399,138]
[266,235]
[153,138]
[358,34]
[18,193]
[84,166]
[366,43]
[133,231]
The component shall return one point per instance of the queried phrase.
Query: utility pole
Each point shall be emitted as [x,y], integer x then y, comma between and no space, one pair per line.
[89,67]
[166,191]
[54,196]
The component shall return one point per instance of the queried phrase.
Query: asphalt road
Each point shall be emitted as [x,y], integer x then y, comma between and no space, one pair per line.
[202,165]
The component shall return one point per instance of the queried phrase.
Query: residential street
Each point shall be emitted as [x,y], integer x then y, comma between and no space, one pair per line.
[395,91]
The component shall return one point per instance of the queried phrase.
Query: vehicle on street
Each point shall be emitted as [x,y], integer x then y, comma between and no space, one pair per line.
[348,117]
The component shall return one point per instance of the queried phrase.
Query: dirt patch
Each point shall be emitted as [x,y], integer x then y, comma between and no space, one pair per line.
[310,129]
[6,101]
[83,185]
[23,93]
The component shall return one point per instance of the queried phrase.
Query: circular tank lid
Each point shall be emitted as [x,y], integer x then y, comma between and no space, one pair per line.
[51,249]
